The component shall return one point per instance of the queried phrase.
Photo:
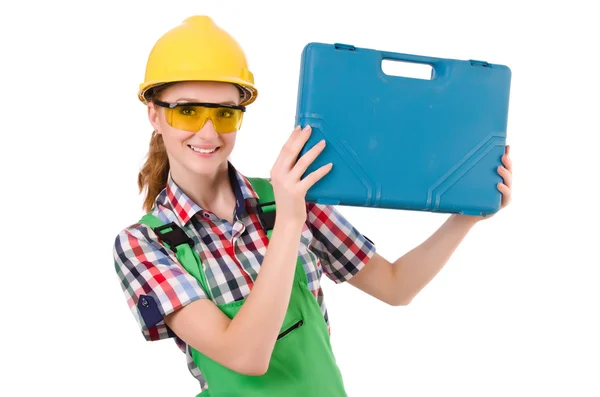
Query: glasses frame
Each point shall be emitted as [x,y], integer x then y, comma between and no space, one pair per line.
[204,104]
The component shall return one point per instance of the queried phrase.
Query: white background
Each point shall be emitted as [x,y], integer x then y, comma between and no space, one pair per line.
[514,312]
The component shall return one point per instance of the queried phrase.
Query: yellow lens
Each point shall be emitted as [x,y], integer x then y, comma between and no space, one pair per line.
[192,118]
[226,120]
[187,118]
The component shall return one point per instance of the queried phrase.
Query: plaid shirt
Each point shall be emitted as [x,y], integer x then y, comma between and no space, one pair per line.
[155,284]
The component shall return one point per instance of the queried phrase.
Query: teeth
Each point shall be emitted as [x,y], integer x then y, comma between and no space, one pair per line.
[195,149]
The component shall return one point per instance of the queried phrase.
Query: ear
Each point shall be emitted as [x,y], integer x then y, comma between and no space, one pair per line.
[153,117]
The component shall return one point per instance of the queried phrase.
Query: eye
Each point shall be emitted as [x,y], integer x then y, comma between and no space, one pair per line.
[225,113]
[187,111]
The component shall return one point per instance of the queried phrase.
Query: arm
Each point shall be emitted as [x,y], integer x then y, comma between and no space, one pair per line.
[167,301]
[399,282]
[239,344]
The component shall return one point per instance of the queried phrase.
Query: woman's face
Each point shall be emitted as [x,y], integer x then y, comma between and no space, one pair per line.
[204,151]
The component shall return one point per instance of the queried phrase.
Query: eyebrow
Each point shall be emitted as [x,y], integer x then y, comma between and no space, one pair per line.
[197,101]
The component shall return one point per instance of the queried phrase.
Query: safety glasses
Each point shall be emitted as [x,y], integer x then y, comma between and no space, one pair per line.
[191,116]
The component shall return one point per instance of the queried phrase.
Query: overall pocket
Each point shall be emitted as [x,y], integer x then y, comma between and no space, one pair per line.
[293,327]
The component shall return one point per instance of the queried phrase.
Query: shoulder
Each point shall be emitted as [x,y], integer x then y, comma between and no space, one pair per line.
[152,279]
[136,231]
[137,240]
[342,248]
[330,222]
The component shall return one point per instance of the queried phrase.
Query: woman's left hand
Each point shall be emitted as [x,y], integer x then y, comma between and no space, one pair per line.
[506,173]
[505,187]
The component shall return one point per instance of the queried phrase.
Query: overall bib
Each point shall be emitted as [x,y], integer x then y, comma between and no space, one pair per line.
[302,363]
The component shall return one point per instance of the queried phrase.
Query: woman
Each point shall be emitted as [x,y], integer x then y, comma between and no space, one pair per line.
[237,289]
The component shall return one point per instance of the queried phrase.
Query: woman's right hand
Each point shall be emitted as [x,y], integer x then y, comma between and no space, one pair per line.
[289,187]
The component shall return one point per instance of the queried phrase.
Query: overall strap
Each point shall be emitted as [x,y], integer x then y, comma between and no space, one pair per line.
[266,213]
[266,203]
[181,244]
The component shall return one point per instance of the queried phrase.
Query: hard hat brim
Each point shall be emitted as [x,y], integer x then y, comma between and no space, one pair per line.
[249,89]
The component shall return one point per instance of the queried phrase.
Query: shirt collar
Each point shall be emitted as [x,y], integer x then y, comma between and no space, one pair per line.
[183,206]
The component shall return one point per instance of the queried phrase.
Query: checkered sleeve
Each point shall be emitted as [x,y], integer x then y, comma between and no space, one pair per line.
[153,281]
[341,248]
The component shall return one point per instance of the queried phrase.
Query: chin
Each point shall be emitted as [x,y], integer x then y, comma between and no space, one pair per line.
[206,166]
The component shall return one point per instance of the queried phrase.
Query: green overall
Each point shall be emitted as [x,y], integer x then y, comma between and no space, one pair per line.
[302,363]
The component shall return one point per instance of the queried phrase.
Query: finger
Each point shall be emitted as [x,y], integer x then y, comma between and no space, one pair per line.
[288,143]
[292,148]
[289,152]
[506,193]
[506,175]
[507,162]
[306,160]
[314,176]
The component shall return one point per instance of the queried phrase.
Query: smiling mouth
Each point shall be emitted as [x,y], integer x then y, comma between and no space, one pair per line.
[203,151]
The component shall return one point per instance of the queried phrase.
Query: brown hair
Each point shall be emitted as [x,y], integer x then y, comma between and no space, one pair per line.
[153,175]
[155,171]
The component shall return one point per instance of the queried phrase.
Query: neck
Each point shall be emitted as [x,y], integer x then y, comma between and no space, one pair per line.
[209,191]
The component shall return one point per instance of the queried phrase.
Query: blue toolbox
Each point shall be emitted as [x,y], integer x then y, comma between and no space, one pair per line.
[403,142]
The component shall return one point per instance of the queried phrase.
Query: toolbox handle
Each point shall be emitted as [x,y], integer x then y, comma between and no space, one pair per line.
[437,64]
[410,58]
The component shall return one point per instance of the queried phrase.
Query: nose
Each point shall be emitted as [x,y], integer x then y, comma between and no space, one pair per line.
[208,130]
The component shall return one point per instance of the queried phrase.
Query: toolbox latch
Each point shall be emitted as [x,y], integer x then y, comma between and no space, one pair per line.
[482,64]
[347,47]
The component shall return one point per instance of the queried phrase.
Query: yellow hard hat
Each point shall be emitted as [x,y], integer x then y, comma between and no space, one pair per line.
[198,50]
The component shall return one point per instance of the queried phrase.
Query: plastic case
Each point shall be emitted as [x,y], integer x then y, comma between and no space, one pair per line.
[401,142]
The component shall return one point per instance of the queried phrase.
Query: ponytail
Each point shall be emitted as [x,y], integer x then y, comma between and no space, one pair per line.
[153,175]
